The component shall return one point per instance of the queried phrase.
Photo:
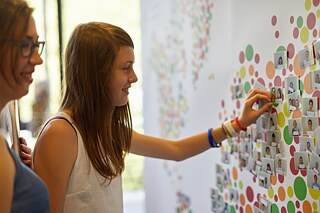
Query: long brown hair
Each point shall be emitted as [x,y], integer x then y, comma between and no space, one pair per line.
[14,18]
[106,131]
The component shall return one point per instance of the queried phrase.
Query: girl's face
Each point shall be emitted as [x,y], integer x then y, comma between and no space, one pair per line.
[15,81]
[122,76]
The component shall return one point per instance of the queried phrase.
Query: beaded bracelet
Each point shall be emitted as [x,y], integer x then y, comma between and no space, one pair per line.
[212,143]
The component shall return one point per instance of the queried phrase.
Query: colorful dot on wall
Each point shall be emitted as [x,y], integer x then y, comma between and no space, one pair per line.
[232,209]
[315,33]
[273,179]
[235,173]
[301,87]
[240,184]
[276,34]
[293,169]
[247,87]
[290,191]
[274,20]
[300,188]
[307,5]
[249,193]
[297,204]
[287,137]
[295,32]
[299,22]
[249,52]
[248,209]
[306,206]
[270,192]
[304,35]
[251,70]
[296,140]
[318,13]
[283,209]
[316,3]
[290,207]
[291,20]
[296,67]
[315,194]
[257,58]
[277,81]
[281,178]
[290,50]
[281,193]
[297,114]
[270,71]
[274,208]
[275,198]
[242,199]
[242,72]
[307,85]
[281,119]
[238,104]
[314,205]
[292,150]
[303,172]
[286,111]
[311,21]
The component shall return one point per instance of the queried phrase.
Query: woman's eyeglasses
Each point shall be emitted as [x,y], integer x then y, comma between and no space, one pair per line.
[27,47]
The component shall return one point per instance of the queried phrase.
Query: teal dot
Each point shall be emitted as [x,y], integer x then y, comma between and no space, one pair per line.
[247,87]
[299,21]
[281,49]
[235,184]
[287,137]
[301,87]
[290,207]
[274,208]
[300,188]
[232,209]
[249,52]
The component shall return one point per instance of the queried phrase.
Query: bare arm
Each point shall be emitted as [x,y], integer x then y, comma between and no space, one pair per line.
[54,155]
[7,174]
[182,149]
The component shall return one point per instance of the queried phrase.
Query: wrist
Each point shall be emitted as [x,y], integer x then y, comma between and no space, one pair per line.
[240,124]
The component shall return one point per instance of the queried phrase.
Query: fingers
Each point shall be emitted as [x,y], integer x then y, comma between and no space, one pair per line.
[23,141]
[255,91]
[25,149]
[250,101]
[264,108]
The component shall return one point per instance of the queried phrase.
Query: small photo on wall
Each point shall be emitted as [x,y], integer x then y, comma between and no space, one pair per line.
[307,144]
[257,157]
[317,50]
[295,126]
[268,166]
[291,84]
[309,124]
[315,163]
[263,206]
[279,150]
[306,58]
[280,60]
[276,94]
[313,180]
[301,160]
[315,79]
[273,137]
[238,92]
[264,179]
[234,195]
[310,106]
[294,101]
[281,166]
[272,121]
[268,151]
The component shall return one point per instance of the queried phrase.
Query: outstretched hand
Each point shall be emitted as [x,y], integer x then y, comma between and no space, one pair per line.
[250,115]
[25,152]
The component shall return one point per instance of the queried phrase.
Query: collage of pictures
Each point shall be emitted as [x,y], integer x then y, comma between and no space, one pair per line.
[261,150]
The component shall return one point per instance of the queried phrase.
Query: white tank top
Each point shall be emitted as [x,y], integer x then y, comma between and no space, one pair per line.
[86,191]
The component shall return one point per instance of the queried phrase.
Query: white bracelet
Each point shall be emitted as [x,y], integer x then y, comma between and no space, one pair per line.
[230,128]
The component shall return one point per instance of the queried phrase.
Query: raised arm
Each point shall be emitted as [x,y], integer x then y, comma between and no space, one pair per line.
[53,158]
[182,149]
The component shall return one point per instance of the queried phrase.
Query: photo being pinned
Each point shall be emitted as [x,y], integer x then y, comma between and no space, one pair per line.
[276,94]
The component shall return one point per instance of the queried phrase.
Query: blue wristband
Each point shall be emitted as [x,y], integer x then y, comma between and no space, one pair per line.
[212,143]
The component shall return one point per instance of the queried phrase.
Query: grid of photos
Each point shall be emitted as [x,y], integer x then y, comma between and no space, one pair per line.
[261,149]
